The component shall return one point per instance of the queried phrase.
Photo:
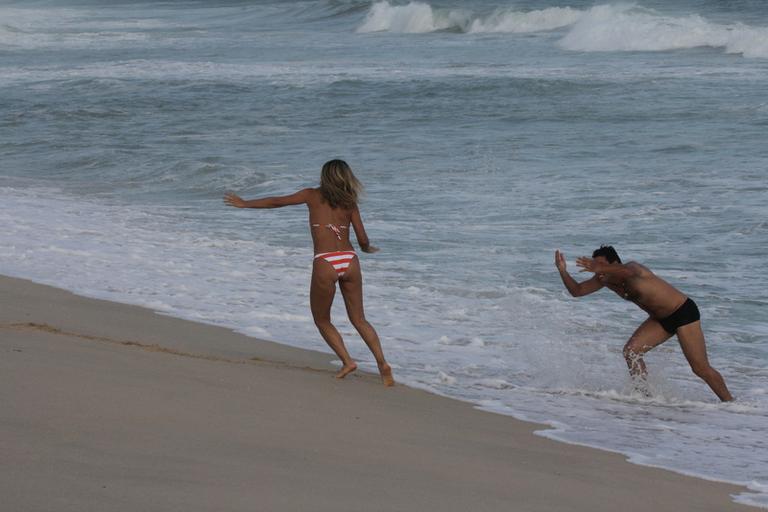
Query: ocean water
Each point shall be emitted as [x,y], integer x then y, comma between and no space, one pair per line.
[487,133]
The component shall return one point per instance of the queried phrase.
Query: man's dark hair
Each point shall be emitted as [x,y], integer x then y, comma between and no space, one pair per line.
[608,252]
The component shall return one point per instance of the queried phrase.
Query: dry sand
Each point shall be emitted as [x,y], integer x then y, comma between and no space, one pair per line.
[108,407]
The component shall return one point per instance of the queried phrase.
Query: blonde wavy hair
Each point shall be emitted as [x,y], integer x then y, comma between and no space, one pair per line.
[338,185]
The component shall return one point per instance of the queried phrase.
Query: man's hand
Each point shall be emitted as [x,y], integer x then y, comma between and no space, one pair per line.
[575,288]
[233,199]
[586,264]
[560,261]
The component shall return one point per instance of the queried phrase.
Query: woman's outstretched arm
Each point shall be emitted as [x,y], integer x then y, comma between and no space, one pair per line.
[299,197]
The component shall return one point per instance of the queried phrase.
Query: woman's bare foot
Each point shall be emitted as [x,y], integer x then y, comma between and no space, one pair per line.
[346,370]
[386,375]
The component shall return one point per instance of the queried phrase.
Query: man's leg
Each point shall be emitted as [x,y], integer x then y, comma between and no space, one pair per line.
[650,334]
[691,340]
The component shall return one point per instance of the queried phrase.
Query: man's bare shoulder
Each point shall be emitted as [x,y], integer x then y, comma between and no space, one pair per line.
[638,269]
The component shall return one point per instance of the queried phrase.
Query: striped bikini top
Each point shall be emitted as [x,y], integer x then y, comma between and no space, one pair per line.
[333,227]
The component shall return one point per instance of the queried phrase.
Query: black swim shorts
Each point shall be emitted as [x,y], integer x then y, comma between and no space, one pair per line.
[684,315]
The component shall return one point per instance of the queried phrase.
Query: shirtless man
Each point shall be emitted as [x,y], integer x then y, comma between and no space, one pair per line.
[669,311]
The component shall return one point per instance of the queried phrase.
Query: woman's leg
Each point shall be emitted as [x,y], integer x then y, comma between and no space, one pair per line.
[321,292]
[351,285]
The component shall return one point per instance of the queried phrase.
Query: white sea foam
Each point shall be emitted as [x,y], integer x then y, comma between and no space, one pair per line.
[420,17]
[415,17]
[630,28]
[757,498]
[531,21]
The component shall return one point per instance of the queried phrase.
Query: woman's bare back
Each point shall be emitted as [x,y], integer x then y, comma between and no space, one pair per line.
[330,227]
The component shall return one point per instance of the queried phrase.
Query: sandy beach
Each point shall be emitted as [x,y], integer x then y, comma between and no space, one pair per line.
[109,407]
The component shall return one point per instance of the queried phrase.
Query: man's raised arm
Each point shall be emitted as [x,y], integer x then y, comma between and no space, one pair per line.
[615,269]
[575,288]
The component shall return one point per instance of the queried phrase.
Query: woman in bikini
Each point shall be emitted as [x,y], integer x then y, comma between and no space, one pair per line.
[332,209]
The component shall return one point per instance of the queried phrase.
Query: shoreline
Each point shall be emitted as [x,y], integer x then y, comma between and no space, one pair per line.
[480,455]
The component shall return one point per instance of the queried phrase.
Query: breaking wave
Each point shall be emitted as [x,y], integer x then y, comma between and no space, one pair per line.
[602,28]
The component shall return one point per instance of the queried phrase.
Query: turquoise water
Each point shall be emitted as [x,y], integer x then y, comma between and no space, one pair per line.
[488,134]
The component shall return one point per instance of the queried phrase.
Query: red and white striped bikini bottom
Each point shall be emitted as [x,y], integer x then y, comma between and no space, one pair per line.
[339,260]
